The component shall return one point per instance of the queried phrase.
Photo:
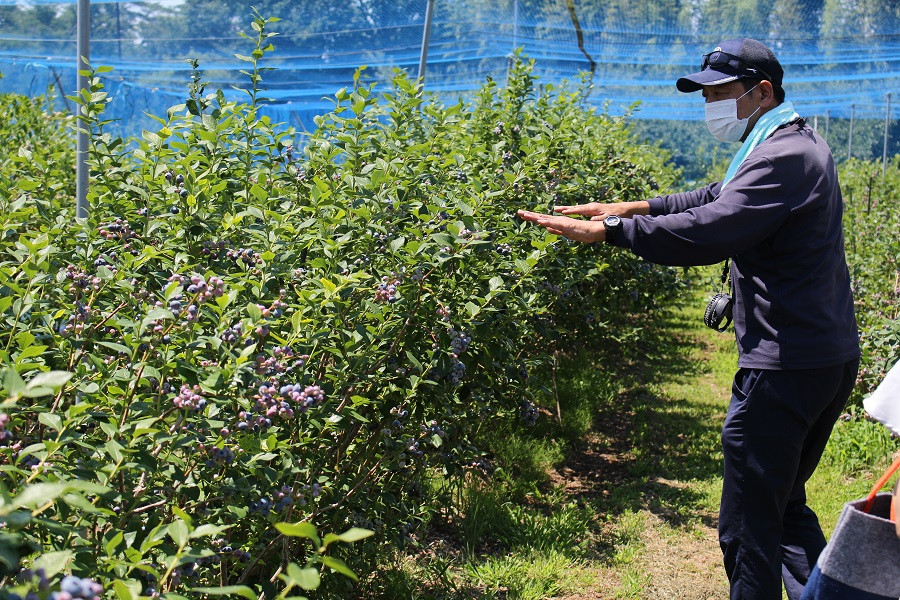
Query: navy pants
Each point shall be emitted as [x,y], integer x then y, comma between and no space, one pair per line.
[777,425]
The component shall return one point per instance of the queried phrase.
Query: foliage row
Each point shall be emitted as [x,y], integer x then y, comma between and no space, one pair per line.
[258,336]
[872,239]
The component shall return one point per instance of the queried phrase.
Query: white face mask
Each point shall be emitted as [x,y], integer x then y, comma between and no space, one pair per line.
[722,119]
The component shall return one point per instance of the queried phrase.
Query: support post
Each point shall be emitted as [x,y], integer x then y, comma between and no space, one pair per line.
[887,128]
[850,136]
[827,118]
[426,36]
[83,47]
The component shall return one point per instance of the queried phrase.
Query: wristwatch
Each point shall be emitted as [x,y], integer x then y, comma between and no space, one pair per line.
[613,225]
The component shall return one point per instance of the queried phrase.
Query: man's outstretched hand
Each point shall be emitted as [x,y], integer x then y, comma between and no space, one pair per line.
[598,211]
[575,229]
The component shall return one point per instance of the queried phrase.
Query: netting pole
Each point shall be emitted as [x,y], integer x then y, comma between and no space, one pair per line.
[83,47]
[509,62]
[850,136]
[827,118]
[515,24]
[426,36]
[887,126]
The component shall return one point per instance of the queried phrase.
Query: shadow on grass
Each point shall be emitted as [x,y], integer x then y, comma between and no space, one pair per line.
[646,441]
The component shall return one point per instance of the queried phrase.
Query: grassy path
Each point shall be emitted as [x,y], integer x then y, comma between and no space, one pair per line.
[657,489]
[620,499]
[651,465]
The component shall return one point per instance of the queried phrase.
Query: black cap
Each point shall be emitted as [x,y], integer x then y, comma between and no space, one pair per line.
[740,58]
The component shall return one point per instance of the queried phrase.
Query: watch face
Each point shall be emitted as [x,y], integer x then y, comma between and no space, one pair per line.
[611,221]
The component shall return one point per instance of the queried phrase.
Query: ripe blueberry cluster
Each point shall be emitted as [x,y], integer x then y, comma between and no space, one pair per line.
[250,421]
[274,310]
[283,361]
[117,230]
[528,413]
[6,436]
[214,249]
[75,587]
[387,289]
[178,188]
[199,291]
[399,414]
[29,461]
[503,249]
[190,398]
[411,450]
[80,281]
[459,343]
[77,322]
[432,428]
[439,218]
[283,499]
[271,405]
[245,255]
[217,456]
[234,334]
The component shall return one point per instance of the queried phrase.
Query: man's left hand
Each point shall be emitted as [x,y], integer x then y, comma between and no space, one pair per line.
[574,229]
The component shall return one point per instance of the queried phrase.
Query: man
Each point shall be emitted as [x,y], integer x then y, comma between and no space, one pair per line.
[777,216]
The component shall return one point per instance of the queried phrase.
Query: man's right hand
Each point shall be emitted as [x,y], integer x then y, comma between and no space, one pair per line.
[598,211]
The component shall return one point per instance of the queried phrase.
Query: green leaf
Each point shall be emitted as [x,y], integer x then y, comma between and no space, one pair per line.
[254,311]
[208,529]
[123,592]
[261,194]
[339,566]
[53,562]
[307,578]
[30,352]
[53,421]
[114,542]
[50,379]
[353,534]
[178,512]
[178,531]
[303,529]
[39,493]
[13,383]
[240,590]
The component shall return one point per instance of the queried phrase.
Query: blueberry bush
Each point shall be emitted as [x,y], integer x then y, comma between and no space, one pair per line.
[872,239]
[260,336]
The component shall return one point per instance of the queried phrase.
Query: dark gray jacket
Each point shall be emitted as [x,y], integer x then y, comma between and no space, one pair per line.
[779,219]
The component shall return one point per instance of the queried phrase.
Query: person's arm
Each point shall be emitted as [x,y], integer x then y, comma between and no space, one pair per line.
[598,211]
[660,205]
[754,205]
[678,203]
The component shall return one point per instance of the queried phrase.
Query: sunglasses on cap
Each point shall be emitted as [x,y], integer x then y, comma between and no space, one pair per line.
[722,59]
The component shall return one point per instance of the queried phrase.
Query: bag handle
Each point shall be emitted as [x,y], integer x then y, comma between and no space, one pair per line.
[870,499]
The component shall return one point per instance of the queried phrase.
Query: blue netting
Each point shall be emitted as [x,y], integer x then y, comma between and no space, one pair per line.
[838,55]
